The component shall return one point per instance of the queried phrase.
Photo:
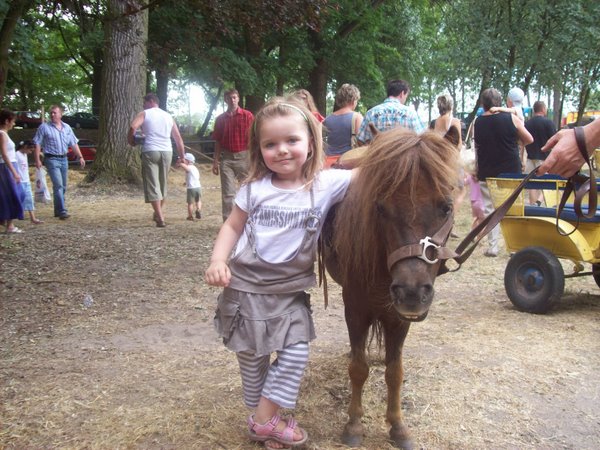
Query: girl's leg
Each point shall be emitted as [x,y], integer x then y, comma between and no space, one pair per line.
[282,385]
[34,219]
[285,375]
[253,370]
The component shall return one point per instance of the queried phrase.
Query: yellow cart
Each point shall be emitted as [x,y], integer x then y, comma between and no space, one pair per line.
[534,277]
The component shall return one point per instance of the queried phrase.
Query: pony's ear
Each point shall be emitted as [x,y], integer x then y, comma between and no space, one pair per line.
[452,136]
[374,131]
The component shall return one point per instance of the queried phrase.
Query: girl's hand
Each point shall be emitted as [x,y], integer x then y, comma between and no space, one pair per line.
[218,274]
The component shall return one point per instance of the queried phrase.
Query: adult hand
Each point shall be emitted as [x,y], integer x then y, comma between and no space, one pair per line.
[215,167]
[218,274]
[82,162]
[565,158]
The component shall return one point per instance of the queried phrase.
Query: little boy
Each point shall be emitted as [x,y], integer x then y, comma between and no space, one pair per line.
[23,149]
[192,182]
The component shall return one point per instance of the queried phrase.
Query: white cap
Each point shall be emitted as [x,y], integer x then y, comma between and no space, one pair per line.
[189,157]
[516,96]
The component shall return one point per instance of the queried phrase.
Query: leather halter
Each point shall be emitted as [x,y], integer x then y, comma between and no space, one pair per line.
[430,249]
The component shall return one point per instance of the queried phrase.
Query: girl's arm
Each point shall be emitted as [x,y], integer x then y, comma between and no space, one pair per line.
[497,109]
[218,273]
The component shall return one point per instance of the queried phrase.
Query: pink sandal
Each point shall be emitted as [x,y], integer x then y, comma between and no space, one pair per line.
[268,432]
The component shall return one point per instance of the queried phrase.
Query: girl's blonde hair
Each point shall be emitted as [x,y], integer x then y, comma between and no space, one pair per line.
[283,107]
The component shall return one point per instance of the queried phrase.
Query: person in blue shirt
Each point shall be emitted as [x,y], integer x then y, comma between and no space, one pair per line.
[55,138]
[391,113]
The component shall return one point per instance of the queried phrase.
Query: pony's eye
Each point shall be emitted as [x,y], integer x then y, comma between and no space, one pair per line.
[380,209]
[447,208]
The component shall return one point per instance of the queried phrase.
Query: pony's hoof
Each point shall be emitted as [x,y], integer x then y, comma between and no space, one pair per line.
[352,440]
[403,443]
[400,437]
[353,435]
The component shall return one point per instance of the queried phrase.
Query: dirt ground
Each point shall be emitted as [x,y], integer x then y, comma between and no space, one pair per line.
[140,367]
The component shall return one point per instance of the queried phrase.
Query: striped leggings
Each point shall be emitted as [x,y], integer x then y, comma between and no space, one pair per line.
[278,381]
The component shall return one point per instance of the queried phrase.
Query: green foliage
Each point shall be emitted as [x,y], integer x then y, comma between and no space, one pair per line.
[264,47]
[41,71]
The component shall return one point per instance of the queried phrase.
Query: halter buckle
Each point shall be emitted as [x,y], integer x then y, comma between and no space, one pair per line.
[426,243]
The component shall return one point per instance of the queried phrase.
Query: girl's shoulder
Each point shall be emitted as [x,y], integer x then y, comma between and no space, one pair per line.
[328,177]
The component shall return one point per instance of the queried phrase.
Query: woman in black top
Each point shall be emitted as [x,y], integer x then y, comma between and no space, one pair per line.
[496,138]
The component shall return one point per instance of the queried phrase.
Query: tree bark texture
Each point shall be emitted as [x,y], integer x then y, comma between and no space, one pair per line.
[123,87]
[7,29]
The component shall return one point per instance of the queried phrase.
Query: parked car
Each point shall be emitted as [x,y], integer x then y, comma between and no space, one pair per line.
[81,120]
[27,119]
[88,151]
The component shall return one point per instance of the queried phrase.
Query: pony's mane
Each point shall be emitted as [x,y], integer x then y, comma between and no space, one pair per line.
[399,164]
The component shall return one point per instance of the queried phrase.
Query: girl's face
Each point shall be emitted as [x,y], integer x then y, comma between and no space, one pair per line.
[285,144]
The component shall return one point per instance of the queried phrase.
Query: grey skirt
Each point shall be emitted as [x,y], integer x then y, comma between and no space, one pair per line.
[263,323]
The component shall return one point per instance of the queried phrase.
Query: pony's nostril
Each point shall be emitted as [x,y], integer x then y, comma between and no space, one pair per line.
[426,292]
[412,294]
[398,291]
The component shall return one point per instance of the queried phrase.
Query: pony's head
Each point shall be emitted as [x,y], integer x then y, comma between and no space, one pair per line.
[402,196]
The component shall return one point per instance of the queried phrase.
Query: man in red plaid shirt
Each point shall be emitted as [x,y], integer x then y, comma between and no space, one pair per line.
[231,136]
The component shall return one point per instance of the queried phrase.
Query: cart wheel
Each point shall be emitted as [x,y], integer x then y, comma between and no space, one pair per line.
[596,273]
[534,280]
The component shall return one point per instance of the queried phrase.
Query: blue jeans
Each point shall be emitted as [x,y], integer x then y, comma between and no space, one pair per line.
[57,170]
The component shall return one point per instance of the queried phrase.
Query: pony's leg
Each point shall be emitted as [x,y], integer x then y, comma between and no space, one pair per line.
[394,374]
[358,369]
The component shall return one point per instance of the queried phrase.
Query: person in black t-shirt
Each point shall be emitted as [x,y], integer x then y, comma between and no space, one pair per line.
[542,129]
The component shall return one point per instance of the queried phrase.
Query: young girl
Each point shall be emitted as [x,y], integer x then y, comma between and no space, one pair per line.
[23,149]
[10,191]
[273,232]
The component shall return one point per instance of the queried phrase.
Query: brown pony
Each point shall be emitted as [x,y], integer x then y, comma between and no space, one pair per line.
[374,247]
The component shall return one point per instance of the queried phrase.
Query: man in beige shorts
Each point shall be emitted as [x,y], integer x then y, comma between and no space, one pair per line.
[158,127]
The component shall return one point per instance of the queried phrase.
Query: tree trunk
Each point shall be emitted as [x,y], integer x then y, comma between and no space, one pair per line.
[317,78]
[123,87]
[213,105]
[318,85]
[97,83]
[13,15]
[162,88]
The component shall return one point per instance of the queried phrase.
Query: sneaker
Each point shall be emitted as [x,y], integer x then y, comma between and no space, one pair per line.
[492,253]
[198,215]
[64,216]
[190,218]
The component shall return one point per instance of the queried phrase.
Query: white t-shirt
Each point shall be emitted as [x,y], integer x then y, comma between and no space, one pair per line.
[157,128]
[192,177]
[280,214]
[22,167]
